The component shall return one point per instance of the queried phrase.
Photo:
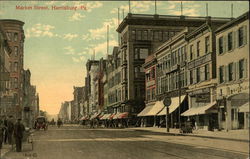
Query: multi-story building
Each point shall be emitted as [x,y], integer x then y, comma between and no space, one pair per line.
[5,96]
[140,36]
[78,99]
[92,72]
[232,53]
[101,83]
[201,65]
[15,38]
[114,81]
[172,76]
[150,88]
[64,112]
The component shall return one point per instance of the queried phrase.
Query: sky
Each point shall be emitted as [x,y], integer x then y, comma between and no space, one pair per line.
[59,42]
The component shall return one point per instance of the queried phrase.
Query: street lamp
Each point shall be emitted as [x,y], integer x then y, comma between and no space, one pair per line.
[167,103]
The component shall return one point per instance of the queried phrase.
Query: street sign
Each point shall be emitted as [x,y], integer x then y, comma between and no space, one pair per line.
[167,101]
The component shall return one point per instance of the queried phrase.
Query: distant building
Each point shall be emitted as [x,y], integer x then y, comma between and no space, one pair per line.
[232,53]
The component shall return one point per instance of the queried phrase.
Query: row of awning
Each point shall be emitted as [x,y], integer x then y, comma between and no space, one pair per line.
[158,108]
[106,116]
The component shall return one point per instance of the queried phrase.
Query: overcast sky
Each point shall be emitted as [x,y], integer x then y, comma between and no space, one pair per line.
[59,42]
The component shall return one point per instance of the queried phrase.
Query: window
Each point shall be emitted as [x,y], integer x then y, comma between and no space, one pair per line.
[220,45]
[137,71]
[191,52]
[240,36]
[133,34]
[171,34]
[148,94]
[191,77]
[160,35]
[165,36]
[153,93]
[221,72]
[230,41]
[145,35]
[15,36]
[241,68]
[230,72]
[207,73]
[15,66]
[138,35]
[153,73]
[15,83]
[207,44]
[198,78]
[198,48]
[9,36]
[15,50]
[156,35]
[141,53]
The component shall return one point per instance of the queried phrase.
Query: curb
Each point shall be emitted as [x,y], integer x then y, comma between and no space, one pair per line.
[194,135]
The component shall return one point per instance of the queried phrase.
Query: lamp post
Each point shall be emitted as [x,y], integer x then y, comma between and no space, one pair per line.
[179,93]
[167,103]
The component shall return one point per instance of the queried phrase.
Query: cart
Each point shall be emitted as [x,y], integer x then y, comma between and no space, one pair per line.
[186,127]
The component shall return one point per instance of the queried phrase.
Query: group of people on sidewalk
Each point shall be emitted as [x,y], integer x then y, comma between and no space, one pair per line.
[10,130]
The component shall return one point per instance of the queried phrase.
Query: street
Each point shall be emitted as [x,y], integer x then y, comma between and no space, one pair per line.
[76,142]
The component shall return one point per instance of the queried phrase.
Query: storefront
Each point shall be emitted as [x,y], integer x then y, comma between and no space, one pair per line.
[234,111]
[203,108]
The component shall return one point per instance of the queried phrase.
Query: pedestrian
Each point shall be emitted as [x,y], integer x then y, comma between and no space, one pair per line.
[18,133]
[2,127]
[5,122]
[10,129]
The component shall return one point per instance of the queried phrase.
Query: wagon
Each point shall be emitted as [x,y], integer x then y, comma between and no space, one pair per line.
[186,127]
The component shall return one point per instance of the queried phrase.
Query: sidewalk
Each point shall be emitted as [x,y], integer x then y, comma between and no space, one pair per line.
[233,135]
[5,149]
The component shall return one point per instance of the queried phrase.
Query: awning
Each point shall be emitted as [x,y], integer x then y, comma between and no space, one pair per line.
[111,116]
[145,111]
[105,116]
[94,116]
[244,108]
[198,110]
[116,116]
[174,105]
[123,115]
[157,107]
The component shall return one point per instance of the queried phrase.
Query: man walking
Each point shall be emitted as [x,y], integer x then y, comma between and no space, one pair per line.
[18,133]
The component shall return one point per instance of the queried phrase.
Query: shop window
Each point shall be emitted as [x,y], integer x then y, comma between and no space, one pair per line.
[165,35]
[153,93]
[230,41]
